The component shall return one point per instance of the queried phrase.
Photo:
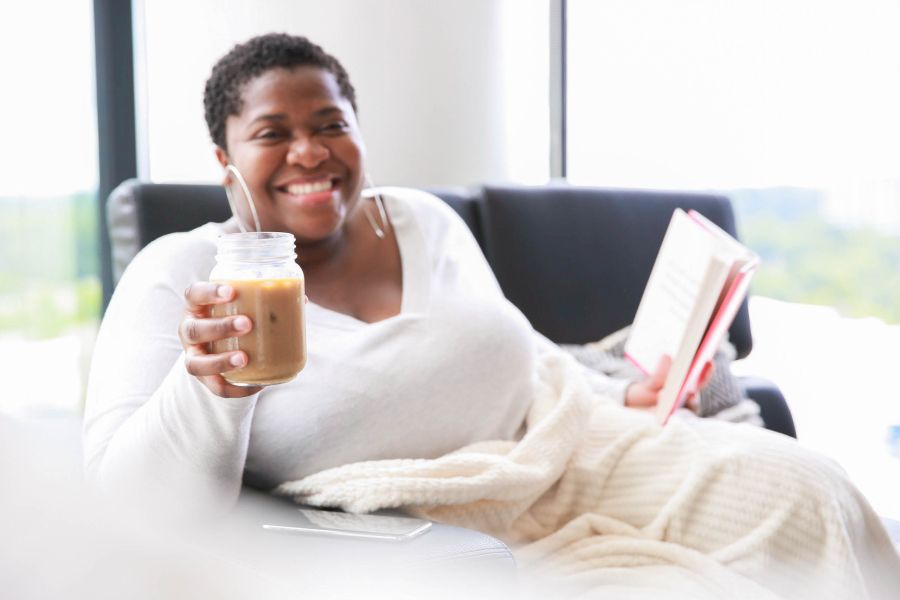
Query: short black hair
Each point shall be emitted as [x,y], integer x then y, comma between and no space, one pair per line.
[222,95]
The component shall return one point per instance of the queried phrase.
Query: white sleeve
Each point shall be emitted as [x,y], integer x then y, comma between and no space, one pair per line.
[151,430]
[458,241]
[451,238]
[476,270]
[451,243]
[606,388]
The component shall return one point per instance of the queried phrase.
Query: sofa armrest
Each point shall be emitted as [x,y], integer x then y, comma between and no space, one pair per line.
[443,557]
[772,406]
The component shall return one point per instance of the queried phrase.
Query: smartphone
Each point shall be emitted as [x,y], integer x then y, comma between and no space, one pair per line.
[310,521]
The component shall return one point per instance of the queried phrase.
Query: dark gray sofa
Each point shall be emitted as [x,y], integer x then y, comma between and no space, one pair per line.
[574,260]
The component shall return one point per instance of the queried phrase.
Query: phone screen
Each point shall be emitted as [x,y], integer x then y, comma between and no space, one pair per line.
[341,524]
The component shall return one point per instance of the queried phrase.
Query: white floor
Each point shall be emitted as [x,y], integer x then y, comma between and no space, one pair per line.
[841,378]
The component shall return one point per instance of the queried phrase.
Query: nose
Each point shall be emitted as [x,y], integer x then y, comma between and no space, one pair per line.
[308,152]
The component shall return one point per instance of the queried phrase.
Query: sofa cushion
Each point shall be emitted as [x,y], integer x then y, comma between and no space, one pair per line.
[466,203]
[591,249]
[137,213]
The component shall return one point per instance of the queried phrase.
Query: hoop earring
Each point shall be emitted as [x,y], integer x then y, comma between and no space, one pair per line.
[379,204]
[240,179]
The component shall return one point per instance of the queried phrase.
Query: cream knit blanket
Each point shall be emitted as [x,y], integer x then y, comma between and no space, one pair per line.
[611,502]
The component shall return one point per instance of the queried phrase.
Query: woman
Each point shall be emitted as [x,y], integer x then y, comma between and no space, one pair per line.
[291,131]
[413,351]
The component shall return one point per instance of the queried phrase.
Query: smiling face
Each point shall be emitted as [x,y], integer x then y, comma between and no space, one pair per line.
[297,144]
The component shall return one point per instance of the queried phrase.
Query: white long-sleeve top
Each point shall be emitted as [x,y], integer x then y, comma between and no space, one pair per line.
[455,366]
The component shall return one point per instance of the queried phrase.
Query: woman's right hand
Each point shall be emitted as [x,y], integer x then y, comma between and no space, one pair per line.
[198,329]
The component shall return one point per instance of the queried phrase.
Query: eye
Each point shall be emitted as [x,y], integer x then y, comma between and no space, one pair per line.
[333,127]
[268,134]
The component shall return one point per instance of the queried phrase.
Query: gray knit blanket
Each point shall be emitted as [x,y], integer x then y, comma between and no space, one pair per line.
[722,397]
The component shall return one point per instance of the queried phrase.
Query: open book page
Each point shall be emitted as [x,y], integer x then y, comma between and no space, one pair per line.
[734,293]
[670,297]
[743,264]
[725,244]
[697,284]
[670,396]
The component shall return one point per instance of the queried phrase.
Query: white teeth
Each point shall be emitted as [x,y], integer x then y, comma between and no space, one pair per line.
[300,189]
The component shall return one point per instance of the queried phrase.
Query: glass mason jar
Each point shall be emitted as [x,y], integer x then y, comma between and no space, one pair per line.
[262,269]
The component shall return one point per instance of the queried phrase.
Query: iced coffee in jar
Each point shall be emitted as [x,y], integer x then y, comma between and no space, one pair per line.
[268,284]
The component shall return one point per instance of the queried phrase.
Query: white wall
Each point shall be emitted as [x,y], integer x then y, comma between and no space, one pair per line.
[440,102]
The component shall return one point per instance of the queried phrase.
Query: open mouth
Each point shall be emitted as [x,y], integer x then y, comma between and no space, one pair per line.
[304,189]
[310,191]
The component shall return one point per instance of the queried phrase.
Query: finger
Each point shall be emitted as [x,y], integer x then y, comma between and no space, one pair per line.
[707,373]
[203,293]
[638,395]
[658,378]
[201,365]
[202,331]
[693,402]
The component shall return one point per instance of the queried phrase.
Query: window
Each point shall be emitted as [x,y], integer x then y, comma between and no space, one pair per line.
[791,109]
[49,284]
[434,110]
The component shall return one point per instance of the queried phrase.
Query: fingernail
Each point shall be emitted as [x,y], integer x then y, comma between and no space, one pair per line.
[242,324]
[236,360]
[224,291]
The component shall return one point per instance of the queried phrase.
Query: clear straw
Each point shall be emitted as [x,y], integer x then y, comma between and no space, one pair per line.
[240,179]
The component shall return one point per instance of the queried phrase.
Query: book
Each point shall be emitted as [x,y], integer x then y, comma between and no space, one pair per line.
[696,286]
